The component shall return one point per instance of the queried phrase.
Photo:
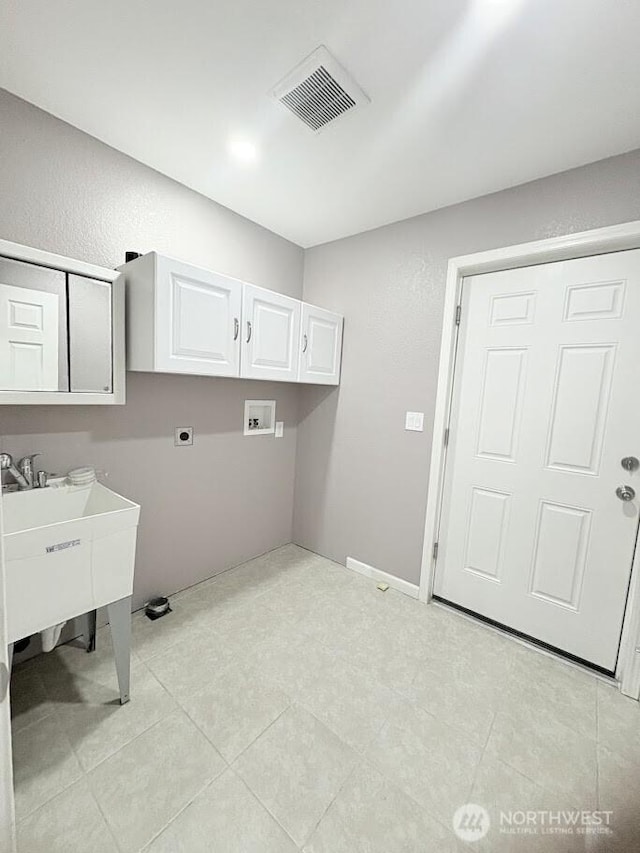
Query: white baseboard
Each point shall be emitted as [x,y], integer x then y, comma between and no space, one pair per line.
[410,589]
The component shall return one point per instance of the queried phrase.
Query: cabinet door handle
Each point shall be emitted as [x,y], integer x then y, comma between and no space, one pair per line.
[306,342]
[236,328]
[248,330]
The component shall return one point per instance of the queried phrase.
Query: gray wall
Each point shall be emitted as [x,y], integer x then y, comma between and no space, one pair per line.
[361,480]
[226,499]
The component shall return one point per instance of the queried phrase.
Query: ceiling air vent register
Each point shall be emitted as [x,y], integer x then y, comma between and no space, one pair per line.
[319,91]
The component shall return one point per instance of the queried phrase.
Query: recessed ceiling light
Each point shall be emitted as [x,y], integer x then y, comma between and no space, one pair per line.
[500,7]
[243,150]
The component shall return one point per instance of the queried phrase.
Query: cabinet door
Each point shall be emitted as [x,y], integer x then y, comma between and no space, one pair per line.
[90,335]
[197,320]
[270,335]
[320,346]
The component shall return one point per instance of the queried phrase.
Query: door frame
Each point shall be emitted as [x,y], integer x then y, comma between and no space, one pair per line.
[615,238]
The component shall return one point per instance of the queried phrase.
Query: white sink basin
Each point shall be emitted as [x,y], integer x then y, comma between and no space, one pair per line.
[68,550]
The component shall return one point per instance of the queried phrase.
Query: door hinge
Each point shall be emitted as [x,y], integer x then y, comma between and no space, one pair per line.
[5,677]
[458,314]
[446,437]
[435,550]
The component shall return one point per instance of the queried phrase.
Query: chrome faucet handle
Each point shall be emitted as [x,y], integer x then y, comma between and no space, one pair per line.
[6,461]
[27,461]
[6,464]
[25,466]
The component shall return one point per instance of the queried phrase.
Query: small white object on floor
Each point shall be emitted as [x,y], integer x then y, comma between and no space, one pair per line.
[383,587]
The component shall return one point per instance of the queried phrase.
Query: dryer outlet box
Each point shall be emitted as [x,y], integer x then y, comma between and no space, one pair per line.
[183,436]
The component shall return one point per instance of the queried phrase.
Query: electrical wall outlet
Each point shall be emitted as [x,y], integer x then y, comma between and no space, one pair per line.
[183,436]
[279,429]
[414,421]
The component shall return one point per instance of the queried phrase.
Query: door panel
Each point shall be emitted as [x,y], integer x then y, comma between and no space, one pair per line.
[28,339]
[321,346]
[532,533]
[501,403]
[198,317]
[581,400]
[488,518]
[271,331]
[560,551]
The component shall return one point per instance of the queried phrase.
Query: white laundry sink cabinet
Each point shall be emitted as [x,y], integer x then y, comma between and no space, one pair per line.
[68,551]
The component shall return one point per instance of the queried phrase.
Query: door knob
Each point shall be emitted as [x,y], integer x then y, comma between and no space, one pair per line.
[630,463]
[625,493]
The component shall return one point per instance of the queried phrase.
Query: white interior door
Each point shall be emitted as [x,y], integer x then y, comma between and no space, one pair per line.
[320,346]
[7,814]
[545,408]
[271,333]
[28,339]
[198,317]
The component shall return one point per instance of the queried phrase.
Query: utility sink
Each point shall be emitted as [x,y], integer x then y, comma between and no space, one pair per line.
[68,550]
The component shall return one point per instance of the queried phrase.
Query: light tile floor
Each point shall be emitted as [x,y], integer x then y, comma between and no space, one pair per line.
[287,705]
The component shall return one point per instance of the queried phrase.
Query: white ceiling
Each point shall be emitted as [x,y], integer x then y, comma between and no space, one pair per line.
[468,96]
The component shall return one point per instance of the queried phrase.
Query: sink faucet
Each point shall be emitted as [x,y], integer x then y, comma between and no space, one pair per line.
[23,474]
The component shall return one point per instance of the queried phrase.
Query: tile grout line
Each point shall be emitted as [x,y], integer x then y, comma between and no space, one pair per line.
[104,817]
[363,758]
[239,607]
[148,843]
[170,647]
[27,726]
[329,805]
[265,807]
[88,774]
[420,806]
[255,795]
[483,752]
[206,736]
[264,731]
[71,750]
[122,746]
[48,800]
[295,704]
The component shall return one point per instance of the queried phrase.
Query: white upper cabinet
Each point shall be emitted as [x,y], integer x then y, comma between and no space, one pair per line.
[61,330]
[320,346]
[270,335]
[182,319]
